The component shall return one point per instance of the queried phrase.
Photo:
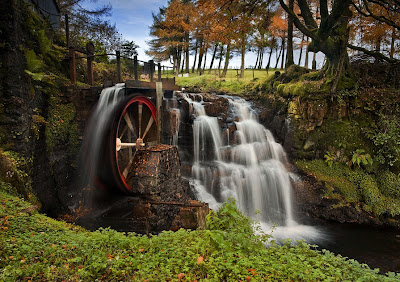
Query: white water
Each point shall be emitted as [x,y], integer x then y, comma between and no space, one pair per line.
[248,168]
[108,99]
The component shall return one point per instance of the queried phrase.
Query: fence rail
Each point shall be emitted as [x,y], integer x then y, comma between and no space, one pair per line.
[144,70]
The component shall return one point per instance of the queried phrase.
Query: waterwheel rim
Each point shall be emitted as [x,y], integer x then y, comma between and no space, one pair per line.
[135,129]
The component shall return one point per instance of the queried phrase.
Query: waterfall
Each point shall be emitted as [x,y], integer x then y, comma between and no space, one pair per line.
[96,130]
[248,166]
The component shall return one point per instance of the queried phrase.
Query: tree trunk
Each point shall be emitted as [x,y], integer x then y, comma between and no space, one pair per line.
[205,59]
[258,57]
[220,59]
[213,56]
[314,62]
[187,51]
[243,53]
[392,42]
[195,57]
[228,50]
[279,56]
[260,62]
[301,49]
[377,48]
[269,59]
[201,53]
[306,61]
[289,53]
[283,53]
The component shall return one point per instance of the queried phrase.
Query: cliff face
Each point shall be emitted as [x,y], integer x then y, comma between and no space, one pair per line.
[30,75]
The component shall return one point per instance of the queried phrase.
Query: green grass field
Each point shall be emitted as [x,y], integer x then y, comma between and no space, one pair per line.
[232,83]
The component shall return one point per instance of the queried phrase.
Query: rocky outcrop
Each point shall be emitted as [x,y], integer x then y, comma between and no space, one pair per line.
[311,202]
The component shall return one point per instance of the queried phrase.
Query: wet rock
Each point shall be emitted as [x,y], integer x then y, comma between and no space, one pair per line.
[216,107]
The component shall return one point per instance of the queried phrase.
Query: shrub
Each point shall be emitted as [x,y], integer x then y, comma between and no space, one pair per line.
[389,184]
[385,134]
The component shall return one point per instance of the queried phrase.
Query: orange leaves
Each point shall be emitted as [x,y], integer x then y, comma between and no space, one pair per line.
[200,259]
[180,276]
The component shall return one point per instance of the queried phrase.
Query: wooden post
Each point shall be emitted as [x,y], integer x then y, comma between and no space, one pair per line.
[135,68]
[67,30]
[72,66]
[151,70]
[90,69]
[159,71]
[118,53]
[160,94]
[90,53]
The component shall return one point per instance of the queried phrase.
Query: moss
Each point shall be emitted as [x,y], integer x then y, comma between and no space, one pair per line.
[61,127]
[355,186]
[34,63]
[334,178]
[14,177]
[389,184]
[343,136]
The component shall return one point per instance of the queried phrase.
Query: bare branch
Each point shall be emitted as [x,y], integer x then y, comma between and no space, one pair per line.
[374,54]
[297,21]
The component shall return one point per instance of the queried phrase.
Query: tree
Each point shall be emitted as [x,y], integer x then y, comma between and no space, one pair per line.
[289,57]
[171,29]
[128,49]
[330,36]
[89,25]
[378,17]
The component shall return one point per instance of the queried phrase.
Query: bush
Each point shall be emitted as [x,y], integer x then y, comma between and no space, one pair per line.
[385,134]
[389,184]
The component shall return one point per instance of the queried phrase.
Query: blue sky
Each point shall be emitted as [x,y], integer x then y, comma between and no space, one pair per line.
[134,17]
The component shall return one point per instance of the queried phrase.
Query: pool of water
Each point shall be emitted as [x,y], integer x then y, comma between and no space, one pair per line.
[379,248]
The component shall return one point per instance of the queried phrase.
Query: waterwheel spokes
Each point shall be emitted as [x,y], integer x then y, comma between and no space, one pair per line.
[123,132]
[128,167]
[130,124]
[149,124]
[140,111]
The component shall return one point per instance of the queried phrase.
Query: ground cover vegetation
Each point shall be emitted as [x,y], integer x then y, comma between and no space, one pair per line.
[36,247]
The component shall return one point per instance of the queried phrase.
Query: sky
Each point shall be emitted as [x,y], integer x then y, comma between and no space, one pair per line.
[133,19]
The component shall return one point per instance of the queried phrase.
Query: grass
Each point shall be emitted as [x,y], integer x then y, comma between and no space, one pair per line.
[35,247]
[230,84]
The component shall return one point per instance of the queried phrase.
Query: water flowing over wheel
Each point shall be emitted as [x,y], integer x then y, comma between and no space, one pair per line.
[131,128]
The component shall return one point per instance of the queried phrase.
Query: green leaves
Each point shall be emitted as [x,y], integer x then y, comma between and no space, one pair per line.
[36,247]
[360,157]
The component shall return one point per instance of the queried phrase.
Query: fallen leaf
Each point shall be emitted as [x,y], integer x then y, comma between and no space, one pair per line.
[200,259]
[180,276]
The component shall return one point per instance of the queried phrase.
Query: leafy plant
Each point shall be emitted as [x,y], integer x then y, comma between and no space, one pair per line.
[360,157]
[37,248]
[329,158]
[385,134]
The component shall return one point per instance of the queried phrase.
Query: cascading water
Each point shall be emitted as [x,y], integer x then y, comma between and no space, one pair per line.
[248,167]
[108,100]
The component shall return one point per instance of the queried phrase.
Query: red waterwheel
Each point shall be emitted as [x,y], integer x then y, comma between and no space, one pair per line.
[131,128]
